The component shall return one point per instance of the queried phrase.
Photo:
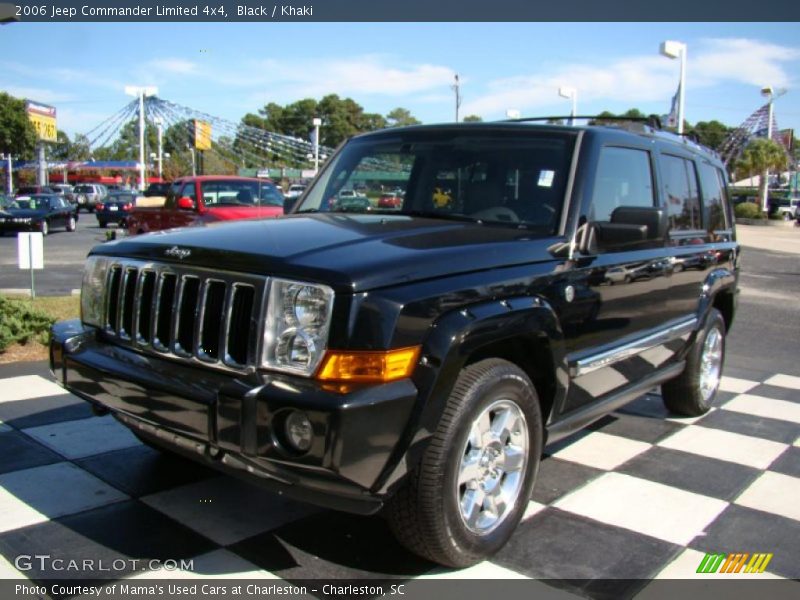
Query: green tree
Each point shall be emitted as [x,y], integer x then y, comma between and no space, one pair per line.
[473,119]
[710,133]
[64,149]
[401,117]
[762,155]
[17,133]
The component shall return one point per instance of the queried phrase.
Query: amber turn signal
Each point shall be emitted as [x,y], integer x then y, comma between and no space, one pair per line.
[368,366]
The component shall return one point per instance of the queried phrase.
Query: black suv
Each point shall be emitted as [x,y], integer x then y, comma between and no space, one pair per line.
[417,359]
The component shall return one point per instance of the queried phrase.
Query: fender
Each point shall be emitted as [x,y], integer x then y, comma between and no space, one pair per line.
[718,280]
[452,339]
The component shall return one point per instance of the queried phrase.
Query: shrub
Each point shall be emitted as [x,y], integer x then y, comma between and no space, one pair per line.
[20,322]
[748,210]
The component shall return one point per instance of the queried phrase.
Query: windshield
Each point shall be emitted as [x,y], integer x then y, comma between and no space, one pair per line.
[504,178]
[32,203]
[241,193]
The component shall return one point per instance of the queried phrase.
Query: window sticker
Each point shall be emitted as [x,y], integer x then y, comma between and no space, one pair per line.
[546,178]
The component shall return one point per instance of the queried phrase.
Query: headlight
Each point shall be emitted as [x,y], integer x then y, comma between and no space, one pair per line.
[297,324]
[93,291]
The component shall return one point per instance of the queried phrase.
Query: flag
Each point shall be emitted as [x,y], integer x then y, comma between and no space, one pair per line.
[672,117]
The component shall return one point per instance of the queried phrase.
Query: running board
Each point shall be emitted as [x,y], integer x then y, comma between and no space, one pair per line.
[581,418]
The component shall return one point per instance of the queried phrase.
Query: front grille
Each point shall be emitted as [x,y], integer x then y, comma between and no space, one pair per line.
[185,313]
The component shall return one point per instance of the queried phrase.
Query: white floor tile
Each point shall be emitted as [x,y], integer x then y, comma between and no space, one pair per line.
[26,387]
[653,509]
[787,381]
[227,510]
[775,493]
[84,437]
[602,451]
[765,407]
[532,509]
[723,445]
[735,385]
[25,407]
[43,493]
[483,570]
[685,567]
[218,564]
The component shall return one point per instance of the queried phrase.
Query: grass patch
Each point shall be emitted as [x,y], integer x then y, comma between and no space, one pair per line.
[25,324]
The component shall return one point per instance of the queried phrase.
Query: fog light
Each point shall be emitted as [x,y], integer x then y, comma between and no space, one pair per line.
[298,430]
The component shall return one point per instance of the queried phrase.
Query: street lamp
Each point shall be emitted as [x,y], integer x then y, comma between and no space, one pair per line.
[141,92]
[771,95]
[316,121]
[572,94]
[672,49]
[159,122]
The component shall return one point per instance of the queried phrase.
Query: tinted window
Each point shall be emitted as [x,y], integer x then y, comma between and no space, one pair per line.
[714,199]
[624,178]
[681,193]
[188,191]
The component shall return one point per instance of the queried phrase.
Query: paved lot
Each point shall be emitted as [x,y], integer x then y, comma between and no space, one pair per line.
[636,496]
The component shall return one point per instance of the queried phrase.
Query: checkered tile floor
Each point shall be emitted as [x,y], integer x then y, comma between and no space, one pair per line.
[636,496]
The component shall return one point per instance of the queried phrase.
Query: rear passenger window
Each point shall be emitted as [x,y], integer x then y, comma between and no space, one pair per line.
[714,198]
[624,178]
[681,193]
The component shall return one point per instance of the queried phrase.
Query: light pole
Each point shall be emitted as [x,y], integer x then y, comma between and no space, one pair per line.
[456,87]
[672,49]
[141,92]
[316,121]
[9,176]
[572,94]
[771,95]
[159,122]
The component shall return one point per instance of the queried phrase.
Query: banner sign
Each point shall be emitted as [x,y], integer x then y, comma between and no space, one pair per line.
[43,118]
[202,135]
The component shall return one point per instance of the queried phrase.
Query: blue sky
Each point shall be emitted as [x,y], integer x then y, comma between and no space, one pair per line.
[229,69]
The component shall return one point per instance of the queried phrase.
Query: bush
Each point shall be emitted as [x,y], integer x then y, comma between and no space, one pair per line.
[20,322]
[748,210]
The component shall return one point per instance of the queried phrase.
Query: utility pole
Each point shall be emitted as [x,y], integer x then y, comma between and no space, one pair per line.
[9,175]
[159,122]
[141,92]
[316,122]
[771,95]
[456,87]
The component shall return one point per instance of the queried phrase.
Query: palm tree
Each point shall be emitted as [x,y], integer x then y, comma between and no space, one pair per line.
[759,157]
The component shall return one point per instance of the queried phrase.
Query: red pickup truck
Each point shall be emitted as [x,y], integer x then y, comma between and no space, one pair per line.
[197,201]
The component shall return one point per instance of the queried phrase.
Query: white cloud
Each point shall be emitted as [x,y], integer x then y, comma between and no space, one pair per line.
[173,66]
[641,78]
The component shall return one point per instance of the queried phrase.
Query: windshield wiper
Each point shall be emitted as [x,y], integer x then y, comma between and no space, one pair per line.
[435,214]
[305,211]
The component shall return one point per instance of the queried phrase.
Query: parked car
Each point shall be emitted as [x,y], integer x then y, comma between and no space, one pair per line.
[65,190]
[389,201]
[87,195]
[38,212]
[419,361]
[295,191]
[115,208]
[200,200]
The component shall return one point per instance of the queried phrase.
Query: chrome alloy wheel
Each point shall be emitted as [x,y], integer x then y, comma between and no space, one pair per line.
[492,467]
[711,364]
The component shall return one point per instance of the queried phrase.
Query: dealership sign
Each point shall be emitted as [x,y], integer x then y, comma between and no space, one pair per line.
[43,118]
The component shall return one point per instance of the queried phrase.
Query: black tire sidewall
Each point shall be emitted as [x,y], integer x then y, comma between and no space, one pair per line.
[713,320]
[499,383]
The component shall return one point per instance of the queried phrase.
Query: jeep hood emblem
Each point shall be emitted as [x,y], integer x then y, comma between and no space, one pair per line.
[176,252]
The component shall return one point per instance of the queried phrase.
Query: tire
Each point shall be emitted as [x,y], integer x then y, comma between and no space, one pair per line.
[44,227]
[692,392]
[71,223]
[102,224]
[460,466]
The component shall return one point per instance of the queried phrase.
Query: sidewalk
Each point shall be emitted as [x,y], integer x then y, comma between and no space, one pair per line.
[784,237]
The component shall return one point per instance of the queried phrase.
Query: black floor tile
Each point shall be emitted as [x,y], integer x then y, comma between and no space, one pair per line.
[776,393]
[741,529]
[331,544]
[557,478]
[690,472]
[637,427]
[17,369]
[22,414]
[746,373]
[18,451]
[788,463]
[140,470]
[584,556]
[136,530]
[760,427]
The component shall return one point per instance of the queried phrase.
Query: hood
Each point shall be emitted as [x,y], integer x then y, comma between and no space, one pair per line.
[348,252]
[24,212]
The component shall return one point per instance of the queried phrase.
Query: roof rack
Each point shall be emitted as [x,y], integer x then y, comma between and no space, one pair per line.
[652,121]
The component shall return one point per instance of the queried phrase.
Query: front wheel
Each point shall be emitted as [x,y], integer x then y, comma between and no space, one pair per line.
[693,391]
[463,501]
[44,227]
[71,223]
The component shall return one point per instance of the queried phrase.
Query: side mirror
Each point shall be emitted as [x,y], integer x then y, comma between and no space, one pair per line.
[186,203]
[630,227]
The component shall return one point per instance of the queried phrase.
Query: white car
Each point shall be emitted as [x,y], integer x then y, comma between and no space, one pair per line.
[295,191]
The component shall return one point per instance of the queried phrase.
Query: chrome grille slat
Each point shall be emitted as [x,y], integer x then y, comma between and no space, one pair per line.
[202,319]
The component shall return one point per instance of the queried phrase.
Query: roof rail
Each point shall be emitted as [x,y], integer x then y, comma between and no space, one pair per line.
[652,120]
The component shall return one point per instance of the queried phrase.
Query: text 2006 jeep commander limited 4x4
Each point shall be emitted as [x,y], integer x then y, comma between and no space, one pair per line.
[417,359]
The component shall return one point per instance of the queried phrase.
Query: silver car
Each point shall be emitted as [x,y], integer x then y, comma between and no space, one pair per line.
[89,194]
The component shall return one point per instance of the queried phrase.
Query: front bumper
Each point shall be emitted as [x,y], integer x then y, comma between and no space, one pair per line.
[15,227]
[230,420]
